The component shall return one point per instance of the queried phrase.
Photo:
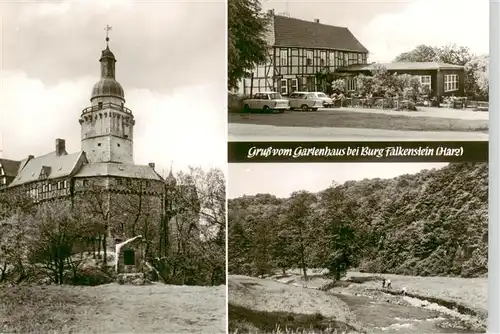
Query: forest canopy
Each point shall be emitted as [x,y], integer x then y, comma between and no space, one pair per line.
[433,223]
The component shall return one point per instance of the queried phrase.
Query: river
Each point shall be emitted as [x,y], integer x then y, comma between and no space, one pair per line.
[381,316]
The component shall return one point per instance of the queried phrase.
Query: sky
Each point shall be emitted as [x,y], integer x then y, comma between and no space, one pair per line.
[171,66]
[391,27]
[281,179]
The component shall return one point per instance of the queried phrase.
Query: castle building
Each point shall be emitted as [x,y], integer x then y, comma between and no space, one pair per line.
[102,179]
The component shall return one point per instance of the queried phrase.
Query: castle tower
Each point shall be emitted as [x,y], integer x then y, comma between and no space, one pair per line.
[107,125]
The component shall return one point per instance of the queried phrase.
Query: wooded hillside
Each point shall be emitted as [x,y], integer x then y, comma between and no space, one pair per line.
[431,223]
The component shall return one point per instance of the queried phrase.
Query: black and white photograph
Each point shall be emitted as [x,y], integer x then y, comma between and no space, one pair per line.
[113,167]
[402,70]
[358,248]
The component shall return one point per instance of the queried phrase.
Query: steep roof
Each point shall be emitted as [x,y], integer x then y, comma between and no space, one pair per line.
[405,66]
[117,169]
[291,32]
[10,167]
[56,166]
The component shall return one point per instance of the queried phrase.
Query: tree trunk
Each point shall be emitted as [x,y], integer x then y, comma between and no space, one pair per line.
[105,248]
[4,269]
[99,246]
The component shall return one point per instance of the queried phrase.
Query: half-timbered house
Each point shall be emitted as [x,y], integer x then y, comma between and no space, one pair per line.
[299,51]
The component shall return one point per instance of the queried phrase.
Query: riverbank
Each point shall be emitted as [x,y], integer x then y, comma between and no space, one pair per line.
[360,306]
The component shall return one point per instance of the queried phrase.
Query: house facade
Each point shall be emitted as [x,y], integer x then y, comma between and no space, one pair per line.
[442,79]
[102,179]
[298,52]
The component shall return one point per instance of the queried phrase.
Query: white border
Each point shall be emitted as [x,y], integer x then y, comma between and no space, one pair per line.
[494,180]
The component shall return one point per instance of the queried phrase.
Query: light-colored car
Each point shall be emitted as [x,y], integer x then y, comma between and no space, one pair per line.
[305,101]
[267,102]
[327,102]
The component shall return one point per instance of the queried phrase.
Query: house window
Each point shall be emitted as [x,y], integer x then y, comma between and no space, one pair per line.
[360,58]
[59,185]
[346,59]
[332,59]
[351,84]
[450,82]
[129,257]
[284,57]
[65,184]
[309,56]
[284,88]
[295,85]
[425,81]
[323,58]
[99,105]
[3,180]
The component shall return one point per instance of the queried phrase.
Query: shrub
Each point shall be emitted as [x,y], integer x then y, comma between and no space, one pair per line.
[89,276]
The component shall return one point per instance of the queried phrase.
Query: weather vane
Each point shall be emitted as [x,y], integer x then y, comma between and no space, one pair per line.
[107,28]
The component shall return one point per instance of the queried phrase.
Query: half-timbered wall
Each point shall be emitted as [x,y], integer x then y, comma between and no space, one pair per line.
[295,69]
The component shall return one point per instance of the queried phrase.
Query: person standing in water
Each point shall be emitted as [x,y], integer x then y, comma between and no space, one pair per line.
[403,291]
[389,284]
[383,283]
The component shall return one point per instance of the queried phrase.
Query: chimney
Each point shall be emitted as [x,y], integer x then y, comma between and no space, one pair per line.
[270,12]
[316,20]
[60,147]
[152,165]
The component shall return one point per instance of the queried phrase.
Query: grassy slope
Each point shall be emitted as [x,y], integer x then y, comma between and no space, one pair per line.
[269,296]
[113,308]
[346,119]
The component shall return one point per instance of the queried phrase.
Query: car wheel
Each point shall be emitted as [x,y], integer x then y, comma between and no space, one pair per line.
[304,107]
[246,108]
[266,109]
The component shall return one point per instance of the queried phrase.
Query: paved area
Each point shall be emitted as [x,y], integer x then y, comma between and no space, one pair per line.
[252,132]
[466,114]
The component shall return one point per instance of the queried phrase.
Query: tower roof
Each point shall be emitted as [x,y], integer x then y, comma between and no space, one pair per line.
[106,53]
[107,87]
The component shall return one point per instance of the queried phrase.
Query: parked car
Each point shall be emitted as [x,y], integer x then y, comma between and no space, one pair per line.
[305,101]
[327,102]
[267,102]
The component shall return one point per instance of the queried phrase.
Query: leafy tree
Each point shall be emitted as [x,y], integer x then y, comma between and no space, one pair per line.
[421,53]
[477,76]
[247,45]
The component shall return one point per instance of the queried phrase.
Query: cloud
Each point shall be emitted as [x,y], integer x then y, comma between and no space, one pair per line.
[430,22]
[187,126]
[172,68]
[55,41]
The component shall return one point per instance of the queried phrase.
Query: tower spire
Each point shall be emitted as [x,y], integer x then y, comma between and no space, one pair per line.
[107,28]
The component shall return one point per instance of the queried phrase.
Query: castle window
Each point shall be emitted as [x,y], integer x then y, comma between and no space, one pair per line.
[99,144]
[129,257]
[118,144]
[99,105]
